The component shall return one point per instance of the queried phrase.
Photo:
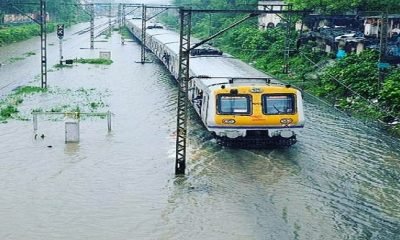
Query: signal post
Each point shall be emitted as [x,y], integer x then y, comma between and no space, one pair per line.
[60,35]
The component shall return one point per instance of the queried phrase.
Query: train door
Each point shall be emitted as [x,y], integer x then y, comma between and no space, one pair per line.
[204,109]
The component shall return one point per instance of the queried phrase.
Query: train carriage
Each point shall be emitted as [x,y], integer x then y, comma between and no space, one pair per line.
[237,103]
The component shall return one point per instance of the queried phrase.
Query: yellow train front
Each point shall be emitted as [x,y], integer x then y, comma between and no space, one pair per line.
[247,112]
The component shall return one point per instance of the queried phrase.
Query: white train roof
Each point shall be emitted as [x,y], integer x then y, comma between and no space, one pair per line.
[222,66]
[203,65]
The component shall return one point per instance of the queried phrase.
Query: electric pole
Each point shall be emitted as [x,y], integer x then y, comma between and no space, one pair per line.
[43,40]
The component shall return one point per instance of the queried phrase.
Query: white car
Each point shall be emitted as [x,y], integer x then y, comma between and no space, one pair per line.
[349,37]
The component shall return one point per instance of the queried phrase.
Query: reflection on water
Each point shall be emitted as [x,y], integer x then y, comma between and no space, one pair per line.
[72,149]
[340,181]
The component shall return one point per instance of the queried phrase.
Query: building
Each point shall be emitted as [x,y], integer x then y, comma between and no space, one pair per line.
[333,33]
[372,25]
[270,20]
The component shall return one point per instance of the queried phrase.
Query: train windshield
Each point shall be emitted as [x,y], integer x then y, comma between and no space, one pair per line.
[278,104]
[228,104]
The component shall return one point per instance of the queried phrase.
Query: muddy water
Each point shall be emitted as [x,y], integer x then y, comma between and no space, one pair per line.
[340,181]
[20,62]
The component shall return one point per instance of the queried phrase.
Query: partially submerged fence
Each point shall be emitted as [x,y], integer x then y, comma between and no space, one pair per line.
[71,120]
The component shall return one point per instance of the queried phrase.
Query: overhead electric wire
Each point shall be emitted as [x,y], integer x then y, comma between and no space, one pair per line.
[88,28]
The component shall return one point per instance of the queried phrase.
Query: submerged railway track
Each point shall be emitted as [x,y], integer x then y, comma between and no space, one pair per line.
[339,181]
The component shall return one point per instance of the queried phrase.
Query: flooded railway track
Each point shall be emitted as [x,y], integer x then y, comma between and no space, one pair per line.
[339,181]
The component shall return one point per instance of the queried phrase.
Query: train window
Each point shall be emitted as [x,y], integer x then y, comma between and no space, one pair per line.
[278,104]
[238,104]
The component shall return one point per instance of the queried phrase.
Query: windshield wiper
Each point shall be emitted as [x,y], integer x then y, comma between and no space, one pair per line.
[276,109]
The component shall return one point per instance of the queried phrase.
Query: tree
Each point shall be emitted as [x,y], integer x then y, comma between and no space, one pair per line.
[331,6]
[59,10]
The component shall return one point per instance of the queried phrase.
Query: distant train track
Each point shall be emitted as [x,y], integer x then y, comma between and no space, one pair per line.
[87,29]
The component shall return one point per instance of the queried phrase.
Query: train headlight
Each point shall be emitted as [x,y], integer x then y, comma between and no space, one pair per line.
[228,121]
[286,121]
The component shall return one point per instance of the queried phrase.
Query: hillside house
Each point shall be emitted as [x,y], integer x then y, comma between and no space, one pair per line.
[372,25]
[270,20]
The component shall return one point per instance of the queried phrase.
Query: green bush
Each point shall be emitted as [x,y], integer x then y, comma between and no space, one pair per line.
[390,93]
[7,111]
[95,61]
[356,72]
[19,33]
[28,90]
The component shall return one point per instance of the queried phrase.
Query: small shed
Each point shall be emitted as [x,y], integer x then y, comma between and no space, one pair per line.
[270,20]
[373,24]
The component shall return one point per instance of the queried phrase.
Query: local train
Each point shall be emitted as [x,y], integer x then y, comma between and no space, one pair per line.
[237,103]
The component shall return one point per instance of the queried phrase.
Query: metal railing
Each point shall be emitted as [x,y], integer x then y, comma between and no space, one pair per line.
[72,115]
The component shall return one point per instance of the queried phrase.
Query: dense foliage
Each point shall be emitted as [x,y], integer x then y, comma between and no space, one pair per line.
[59,10]
[327,6]
[20,33]
[358,72]
[324,6]
[351,83]
[390,92]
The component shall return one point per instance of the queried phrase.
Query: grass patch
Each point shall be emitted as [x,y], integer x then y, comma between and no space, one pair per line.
[94,105]
[39,110]
[58,66]
[126,34]
[9,107]
[95,61]
[7,112]
[77,109]
[15,59]
[56,109]
[28,90]
[19,101]
[18,104]
[28,54]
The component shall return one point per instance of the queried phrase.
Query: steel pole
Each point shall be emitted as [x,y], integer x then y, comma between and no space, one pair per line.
[109,20]
[143,49]
[119,17]
[123,15]
[43,40]
[287,42]
[92,26]
[183,79]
